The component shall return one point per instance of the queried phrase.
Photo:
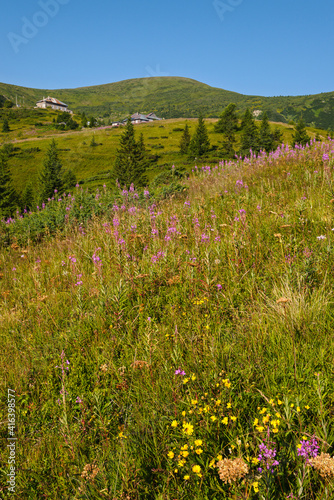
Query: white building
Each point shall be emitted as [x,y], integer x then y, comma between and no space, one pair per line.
[51,102]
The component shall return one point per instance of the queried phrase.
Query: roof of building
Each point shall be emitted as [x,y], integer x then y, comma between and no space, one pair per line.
[53,100]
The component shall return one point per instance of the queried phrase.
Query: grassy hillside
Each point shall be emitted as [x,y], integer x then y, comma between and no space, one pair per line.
[32,130]
[174,97]
[177,349]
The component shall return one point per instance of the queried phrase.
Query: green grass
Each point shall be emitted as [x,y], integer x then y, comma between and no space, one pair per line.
[161,139]
[95,322]
[175,97]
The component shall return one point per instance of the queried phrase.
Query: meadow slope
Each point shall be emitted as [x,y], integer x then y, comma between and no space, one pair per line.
[181,348]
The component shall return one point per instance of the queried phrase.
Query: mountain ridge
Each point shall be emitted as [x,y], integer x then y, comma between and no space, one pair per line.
[176,97]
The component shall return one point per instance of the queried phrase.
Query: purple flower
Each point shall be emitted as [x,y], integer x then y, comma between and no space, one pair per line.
[308,449]
[219,287]
[267,457]
[78,400]
[180,372]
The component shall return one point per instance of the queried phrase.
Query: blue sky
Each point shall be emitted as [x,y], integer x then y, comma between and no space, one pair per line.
[253,47]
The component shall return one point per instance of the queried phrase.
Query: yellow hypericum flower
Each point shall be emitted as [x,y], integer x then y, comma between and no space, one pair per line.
[299,446]
[275,431]
[217,385]
[218,402]
[212,463]
[292,405]
[174,423]
[272,402]
[229,405]
[188,428]
[199,451]
[298,409]
[206,409]
[205,394]
[219,457]
[176,471]
[305,438]
[184,447]
[196,469]
[183,414]
[278,415]
[263,411]
[193,377]
[186,477]
[185,380]
[198,442]
[207,327]
[232,446]
[255,461]
[260,428]
[194,402]
[233,418]
[265,420]
[185,454]
[255,486]
[200,410]
[256,421]
[181,463]
[225,421]
[279,402]
[122,436]
[307,407]
[213,418]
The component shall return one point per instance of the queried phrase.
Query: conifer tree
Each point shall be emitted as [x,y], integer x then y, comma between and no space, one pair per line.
[185,140]
[300,136]
[28,197]
[250,135]
[8,195]
[228,125]
[266,140]
[130,163]
[5,126]
[199,144]
[51,175]
[69,180]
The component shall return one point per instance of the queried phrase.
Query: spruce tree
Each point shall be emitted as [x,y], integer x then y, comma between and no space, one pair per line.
[300,136]
[266,141]
[8,195]
[51,175]
[250,135]
[5,126]
[185,140]
[199,144]
[28,197]
[69,180]
[131,160]
[228,125]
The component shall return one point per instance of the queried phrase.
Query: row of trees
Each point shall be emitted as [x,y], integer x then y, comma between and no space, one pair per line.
[253,137]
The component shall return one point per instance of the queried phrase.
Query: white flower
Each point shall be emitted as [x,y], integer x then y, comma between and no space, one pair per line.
[321,237]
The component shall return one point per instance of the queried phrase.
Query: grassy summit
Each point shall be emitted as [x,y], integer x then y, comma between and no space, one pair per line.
[175,97]
[178,348]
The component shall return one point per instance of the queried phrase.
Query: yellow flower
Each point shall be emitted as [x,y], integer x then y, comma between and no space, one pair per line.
[186,477]
[176,471]
[233,418]
[185,454]
[194,402]
[174,423]
[265,420]
[263,411]
[207,327]
[292,405]
[197,469]
[229,405]
[122,436]
[271,402]
[260,428]
[218,402]
[212,463]
[225,421]
[183,414]
[198,442]
[255,461]
[206,409]
[170,454]
[185,380]
[199,451]
[188,428]
[307,407]
[217,385]
[279,402]
[181,463]
[305,438]
[219,457]
[275,431]
[184,447]
[277,415]
[298,409]
[193,377]
[213,418]
[299,446]
[256,421]
[255,486]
